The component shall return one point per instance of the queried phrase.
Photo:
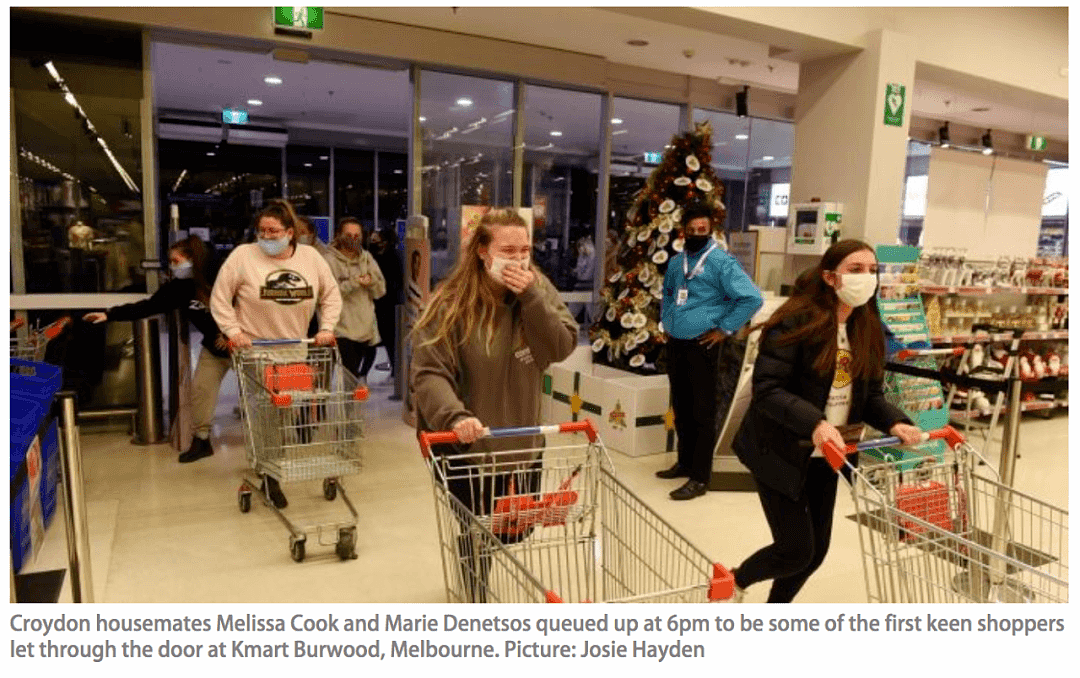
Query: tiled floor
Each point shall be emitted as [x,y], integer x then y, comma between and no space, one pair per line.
[166,532]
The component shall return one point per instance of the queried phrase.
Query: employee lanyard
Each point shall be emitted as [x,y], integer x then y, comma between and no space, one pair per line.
[699,267]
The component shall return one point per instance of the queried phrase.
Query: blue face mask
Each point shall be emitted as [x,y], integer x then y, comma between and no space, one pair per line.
[183,270]
[273,246]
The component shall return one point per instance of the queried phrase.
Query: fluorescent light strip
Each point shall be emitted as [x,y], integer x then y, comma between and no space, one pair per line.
[178,180]
[70,98]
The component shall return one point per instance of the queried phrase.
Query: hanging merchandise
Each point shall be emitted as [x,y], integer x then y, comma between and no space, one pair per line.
[627,334]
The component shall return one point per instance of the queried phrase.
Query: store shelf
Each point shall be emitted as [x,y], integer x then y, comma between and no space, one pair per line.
[982,291]
[1029,406]
[1001,336]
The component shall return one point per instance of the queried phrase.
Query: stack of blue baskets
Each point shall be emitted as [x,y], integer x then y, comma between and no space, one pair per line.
[35,455]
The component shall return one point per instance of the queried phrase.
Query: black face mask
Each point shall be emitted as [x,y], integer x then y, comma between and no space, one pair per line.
[694,243]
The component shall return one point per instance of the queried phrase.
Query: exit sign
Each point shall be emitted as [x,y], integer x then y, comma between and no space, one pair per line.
[304,18]
[653,158]
[234,116]
[1035,143]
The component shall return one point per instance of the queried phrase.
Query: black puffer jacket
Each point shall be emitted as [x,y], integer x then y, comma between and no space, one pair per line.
[788,401]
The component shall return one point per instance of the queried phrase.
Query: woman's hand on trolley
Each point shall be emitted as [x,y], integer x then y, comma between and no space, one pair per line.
[469,429]
[96,317]
[324,338]
[516,279]
[826,432]
[907,433]
[239,340]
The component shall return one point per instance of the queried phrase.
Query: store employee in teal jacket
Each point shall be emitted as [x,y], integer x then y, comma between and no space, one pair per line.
[707,298]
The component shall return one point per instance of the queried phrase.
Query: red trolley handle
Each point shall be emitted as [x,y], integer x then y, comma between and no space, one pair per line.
[427,439]
[837,458]
[904,354]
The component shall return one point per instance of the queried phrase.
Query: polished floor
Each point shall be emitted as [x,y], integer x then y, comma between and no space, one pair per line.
[168,532]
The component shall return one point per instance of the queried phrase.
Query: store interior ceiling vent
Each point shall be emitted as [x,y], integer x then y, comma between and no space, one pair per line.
[184,131]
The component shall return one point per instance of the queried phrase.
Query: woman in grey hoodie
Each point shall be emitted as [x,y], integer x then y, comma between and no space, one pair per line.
[361,283]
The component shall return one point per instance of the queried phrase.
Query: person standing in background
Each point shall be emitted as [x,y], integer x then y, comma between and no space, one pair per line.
[383,245]
[361,282]
[707,298]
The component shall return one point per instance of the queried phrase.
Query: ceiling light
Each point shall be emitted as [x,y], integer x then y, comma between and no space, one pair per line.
[637,42]
[464,101]
[70,98]
[397,171]
[616,121]
[254,102]
[272,80]
[619,131]
[52,70]
[767,157]
[307,164]
[556,133]
[742,137]
[324,157]
[423,119]
[211,153]
[988,143]
[943,135]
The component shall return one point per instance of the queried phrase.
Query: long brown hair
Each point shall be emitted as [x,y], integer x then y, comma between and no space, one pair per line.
[283,211]
[813,304]
[194,249]
[465,299]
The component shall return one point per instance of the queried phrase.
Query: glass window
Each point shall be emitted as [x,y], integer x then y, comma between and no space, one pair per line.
[307,169]
[1054,232]
[217,188]
[354,185]
[768,182]
[77,90]
[559,183]
[468,134]
[393,188]
[916,175]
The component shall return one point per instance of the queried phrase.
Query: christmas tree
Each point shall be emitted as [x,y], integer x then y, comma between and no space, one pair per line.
[627,333]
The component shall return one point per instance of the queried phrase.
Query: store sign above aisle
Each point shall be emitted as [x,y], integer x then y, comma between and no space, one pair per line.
[1035,143]
[234,116]
[299,18]
[894,104]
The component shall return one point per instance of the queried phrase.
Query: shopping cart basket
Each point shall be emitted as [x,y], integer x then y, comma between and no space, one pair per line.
[939,532]
[302,421]
[554,524]
[32,347]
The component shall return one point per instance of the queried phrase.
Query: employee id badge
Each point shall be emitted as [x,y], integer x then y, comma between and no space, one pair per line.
[680,298]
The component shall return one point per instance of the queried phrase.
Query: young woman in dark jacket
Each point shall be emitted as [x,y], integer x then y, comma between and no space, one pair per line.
[189,291]
[820,365]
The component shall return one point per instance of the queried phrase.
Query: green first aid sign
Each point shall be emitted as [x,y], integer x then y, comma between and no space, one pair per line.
[310,18]
[894,104]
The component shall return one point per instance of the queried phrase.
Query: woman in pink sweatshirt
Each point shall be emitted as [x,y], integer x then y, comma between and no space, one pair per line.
[269,289]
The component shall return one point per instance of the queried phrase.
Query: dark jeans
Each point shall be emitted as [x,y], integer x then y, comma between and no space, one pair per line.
[801,532]
[692,374]
[357,357]
[386,319]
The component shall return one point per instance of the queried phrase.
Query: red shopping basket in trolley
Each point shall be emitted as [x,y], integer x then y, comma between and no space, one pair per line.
[947,530]
[554,524]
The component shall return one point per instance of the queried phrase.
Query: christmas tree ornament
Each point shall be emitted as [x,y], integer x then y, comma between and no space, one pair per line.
[678,244]
[665,228]
[640,320]
[610,315]
[663,240]
[637,361]
[615,277]
[627,320]
[692,163]
[682,181]
[644,234]
[667,206]
[703,184]
[660,257]
[598,345]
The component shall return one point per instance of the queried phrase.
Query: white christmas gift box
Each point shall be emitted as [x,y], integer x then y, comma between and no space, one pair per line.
[633,412]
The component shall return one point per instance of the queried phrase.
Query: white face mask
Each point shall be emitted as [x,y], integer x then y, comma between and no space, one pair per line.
[856,288]
[499,263]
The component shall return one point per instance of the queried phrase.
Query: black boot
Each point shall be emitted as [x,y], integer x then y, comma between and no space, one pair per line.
[273,490]
[200,447]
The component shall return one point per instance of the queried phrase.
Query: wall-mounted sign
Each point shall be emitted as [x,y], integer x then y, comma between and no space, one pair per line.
[894,104]
[653,158]
[778,203]
[303,18]
[1036,143]
[234,116]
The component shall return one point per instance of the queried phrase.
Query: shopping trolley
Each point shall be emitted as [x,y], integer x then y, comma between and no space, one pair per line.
[33,346]
[938,532]
[554,524]
[302,421]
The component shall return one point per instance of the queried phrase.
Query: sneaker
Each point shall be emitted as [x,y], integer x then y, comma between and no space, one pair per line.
[200,447]
[273,490]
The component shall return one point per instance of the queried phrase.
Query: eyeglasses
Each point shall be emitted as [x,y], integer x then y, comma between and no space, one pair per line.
[271,234]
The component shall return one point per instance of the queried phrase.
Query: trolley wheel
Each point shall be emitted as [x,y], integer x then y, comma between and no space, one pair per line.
[296,546]
[346,545]
[329,488]
[245,501]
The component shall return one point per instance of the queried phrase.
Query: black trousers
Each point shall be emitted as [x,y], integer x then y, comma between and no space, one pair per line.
[801,533]
[692,374]
[386,319]
[357,357]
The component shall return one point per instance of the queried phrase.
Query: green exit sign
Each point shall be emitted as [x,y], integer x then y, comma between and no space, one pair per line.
[234,116]
[1035,143]
[304,18]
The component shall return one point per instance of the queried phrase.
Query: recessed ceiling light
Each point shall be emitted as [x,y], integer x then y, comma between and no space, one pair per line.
[464,101]
[254,102]
[556,133]
[423,119]
[637,42]
[742,137]
[616,121]
[272,80]
[307,164]
[767,157]
[397,171]
[211,153]
[324,157]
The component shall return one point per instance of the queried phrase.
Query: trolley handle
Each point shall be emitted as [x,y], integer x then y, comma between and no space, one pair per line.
[427,439]
[906,353]
[837,458]
[280,342]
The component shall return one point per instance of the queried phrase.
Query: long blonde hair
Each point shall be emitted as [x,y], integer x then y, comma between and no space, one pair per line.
[465,299]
